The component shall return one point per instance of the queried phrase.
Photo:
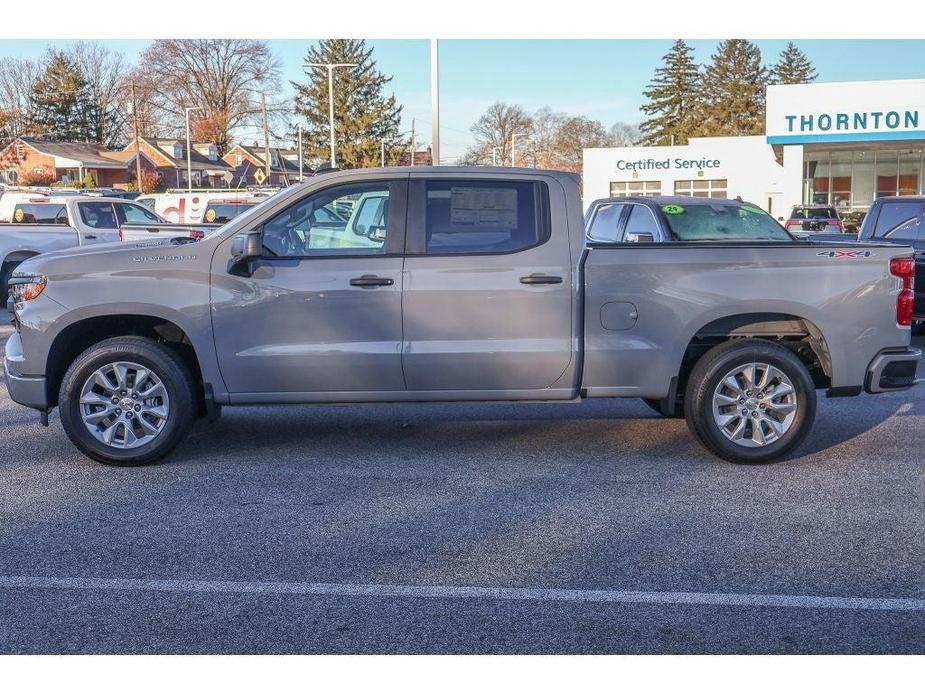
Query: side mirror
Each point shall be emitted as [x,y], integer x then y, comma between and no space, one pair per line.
[244,249]
[245,246]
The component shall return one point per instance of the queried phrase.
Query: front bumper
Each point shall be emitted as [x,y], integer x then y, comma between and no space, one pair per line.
[893,370]
[26,390]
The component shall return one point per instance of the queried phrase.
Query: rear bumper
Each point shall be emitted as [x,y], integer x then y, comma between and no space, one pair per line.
[25,390]
[892,370]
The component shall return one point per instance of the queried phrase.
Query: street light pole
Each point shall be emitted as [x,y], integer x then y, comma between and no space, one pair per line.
[301,158]
[435,102]
[330,68]
[189,160]
[513,138]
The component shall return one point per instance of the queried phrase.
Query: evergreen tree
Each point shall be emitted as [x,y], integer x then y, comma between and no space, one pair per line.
[733,90]
[673,98]
[793,67]
[363,115]
[62,106]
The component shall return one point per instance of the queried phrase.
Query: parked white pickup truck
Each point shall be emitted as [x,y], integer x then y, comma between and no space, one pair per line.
[40,226]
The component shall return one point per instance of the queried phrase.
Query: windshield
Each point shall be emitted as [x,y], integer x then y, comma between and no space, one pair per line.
[814,213]
[716,221]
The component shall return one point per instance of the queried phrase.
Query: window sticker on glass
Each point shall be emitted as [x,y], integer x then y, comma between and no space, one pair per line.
[673,209]
[495,208]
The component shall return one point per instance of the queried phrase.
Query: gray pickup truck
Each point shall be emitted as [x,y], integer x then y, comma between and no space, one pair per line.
[50,224]
[460,284]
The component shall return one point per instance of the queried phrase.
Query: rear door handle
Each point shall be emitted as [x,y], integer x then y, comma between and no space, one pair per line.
[537,278]
[90,236]
[371,281]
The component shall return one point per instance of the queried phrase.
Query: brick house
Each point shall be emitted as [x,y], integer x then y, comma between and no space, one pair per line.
[246,160]
[167,156]
[422,157]
[68,162]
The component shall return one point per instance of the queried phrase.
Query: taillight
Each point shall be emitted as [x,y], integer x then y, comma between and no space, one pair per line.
[196,234]
[904,268]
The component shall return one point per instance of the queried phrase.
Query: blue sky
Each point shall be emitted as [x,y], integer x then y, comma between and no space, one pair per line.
[596,78]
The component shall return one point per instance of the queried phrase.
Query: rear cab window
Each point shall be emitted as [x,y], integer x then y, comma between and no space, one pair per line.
[716,221]
[814,213]
[40,213]
[485,217]
[900,220]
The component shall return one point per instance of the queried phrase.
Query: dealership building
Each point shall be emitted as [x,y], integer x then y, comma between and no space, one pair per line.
[837,143]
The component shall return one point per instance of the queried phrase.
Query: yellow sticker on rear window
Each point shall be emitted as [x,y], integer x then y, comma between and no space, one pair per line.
[19,216]
[673,209]
[210,215]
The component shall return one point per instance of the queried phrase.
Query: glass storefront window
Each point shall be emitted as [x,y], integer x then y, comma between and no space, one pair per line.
[854,178]
[622,189]
[910,163]
[702,188]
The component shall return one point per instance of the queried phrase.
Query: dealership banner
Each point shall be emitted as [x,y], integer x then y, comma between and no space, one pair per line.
[846,112]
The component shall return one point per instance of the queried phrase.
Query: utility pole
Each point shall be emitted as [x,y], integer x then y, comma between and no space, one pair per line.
[189,160]
[435,101]
[382,152]
[330,68]
[137,144]
[301,158]
[413,146]
[266,136]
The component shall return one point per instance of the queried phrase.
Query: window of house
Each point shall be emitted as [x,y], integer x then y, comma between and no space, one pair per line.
[312,227]
[20,152]
[473,217]
[623,189]
[702,188]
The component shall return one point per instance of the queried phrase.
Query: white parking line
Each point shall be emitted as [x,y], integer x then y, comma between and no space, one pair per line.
[466,593]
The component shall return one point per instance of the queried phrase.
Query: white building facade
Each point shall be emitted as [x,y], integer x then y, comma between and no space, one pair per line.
[841,143]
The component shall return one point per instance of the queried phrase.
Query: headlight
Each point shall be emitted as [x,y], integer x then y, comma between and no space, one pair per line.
[26,287]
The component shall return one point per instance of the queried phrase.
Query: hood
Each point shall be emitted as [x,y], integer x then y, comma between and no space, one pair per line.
[115,256]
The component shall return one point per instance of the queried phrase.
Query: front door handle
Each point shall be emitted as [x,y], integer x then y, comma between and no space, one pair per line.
[90,236]
[538,278]
[371,281]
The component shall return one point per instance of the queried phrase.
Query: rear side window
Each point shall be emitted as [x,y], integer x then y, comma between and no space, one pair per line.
[135,214]
[605,225]
[899,220]
[40,213]
[98,215]
[483,217]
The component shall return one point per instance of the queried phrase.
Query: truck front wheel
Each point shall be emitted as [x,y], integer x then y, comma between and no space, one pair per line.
[750,401]
[127,401]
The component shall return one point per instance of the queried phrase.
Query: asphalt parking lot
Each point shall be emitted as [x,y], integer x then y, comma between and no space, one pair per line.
[593,528]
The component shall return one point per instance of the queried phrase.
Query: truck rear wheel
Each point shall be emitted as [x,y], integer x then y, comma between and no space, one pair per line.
[750,401]
[127,401]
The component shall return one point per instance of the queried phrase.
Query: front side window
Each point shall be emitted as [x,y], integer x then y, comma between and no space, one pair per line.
[313,227]
[98,215]
[135,214]
[605,225]
[898,220]
[478,217]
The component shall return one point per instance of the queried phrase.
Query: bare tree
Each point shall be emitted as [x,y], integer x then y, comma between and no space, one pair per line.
[494,128]
[222,76]
[624,134]
[17,76]
[546,124]
[105,74]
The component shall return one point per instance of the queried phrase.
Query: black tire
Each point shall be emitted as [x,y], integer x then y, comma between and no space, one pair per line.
[168,367]
[656,406]
[714,366]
